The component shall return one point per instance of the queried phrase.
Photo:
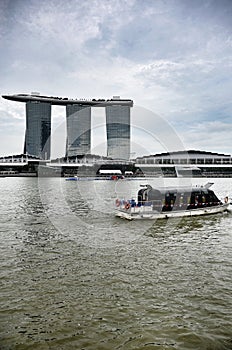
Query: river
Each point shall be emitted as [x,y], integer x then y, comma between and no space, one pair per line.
[73,276]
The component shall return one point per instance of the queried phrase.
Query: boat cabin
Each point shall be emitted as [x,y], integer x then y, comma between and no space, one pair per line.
[185,198]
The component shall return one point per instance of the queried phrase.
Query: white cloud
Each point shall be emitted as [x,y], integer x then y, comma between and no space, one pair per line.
[12,128]
[212,136]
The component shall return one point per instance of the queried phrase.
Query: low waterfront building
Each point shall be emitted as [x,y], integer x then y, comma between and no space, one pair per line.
[189,163]
[82,165]
[19,165]
[186,157]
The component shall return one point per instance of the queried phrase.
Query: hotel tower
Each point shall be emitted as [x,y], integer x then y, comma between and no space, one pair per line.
[78,124]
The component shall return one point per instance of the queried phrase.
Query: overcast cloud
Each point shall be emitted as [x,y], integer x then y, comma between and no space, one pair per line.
[171,57]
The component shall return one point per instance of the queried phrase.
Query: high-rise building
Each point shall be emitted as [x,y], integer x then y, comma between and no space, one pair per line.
[38,129]
[118,131]
[78,129]
[78,119]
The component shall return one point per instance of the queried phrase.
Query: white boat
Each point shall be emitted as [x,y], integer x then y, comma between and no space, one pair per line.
[170,202]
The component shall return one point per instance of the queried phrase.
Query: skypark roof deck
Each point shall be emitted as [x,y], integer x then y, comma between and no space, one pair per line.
[66,101]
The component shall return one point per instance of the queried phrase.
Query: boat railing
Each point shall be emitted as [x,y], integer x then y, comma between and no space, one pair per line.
[133,206]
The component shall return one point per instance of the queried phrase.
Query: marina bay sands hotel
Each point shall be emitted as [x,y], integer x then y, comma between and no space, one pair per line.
[78,124]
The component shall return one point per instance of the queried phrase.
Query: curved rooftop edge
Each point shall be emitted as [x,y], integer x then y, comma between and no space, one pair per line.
[66,101]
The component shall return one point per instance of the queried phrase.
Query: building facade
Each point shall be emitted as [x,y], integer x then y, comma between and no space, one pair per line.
[38,129]
[186,163]
[78,123]
[188,157]
[118,131]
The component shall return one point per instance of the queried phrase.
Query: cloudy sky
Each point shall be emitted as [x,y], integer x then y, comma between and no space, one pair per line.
[172,57]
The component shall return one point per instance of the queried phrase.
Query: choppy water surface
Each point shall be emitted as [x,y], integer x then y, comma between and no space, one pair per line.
[73,276]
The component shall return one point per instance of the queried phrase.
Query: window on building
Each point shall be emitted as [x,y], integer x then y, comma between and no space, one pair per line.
[217,161]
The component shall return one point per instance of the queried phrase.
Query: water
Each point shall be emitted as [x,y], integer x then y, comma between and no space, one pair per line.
[73,276]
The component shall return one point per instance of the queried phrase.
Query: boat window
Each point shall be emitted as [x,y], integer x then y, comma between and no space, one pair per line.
[213,197]
[154,195]
[198,199]
[194,198]
[170,198]
[179,199]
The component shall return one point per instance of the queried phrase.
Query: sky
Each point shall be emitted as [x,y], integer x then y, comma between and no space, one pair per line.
[172,57]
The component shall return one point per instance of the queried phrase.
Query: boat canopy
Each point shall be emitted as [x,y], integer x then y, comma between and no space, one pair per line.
[148,193]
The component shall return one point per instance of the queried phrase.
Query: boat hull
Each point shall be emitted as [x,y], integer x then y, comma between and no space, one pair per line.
[153,215]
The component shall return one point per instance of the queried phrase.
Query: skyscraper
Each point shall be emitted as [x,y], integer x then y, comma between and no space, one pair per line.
[78,119]
[118,131]
[38,129]
[78,129]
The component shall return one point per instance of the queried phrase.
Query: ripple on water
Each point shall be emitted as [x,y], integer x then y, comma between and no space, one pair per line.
[79,278]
